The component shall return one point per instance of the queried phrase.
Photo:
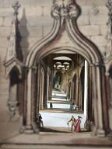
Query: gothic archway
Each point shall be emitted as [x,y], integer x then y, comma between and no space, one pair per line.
[65,24]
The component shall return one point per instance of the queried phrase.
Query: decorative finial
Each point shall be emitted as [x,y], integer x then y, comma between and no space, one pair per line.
[108,47]
[16,7]
[65,9]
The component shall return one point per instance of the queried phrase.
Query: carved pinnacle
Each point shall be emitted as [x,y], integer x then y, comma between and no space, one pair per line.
[16,7]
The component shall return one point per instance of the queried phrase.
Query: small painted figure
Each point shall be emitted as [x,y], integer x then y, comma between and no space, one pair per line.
[73,121]
[77,124]
[40,121]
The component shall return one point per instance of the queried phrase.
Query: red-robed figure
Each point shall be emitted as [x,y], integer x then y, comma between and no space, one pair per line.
[77,124]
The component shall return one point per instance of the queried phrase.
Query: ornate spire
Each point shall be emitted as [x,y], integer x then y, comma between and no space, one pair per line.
[109,31]
[11,55]
[16,7]
[109,23]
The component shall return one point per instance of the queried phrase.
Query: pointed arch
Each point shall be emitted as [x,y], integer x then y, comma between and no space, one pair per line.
[65,19]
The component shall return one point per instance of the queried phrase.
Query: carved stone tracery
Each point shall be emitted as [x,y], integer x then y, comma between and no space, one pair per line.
[65,9]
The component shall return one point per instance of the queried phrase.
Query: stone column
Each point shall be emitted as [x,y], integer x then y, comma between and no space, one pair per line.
[94,99]
[28,127]
[97,101]
[41,88]
[80,100]
[90,99]
[47,83]
[77,90]
[100,130]
[31,101]
[86,90]
[36,77]
[107,85]
[23,118]
[72,92]
[106,88]
[45,89]
[50,84]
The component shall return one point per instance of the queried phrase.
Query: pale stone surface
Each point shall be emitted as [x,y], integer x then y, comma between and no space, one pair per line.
[3,44]
[98,10]
[81,2]
[102,49]
[6,12]
[84,20]
[103,30]
[38,10]
[99,40]
[29,42]
[38,21]
[8,3]
[31,31]
[4,31]
[7,21]
[33,11]
[34,31]
[103,10]
[2,69]
[1,21]
[90,30]
[98,19]
[3,76]
[47,10]
[5,3]
[47,29]
[96,2]
[85,10]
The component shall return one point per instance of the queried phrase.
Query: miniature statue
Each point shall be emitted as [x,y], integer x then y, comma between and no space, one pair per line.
[40,121]
[72,120]
[77,124]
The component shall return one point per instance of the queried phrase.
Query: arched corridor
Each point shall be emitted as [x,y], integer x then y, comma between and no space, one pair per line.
[63,100]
